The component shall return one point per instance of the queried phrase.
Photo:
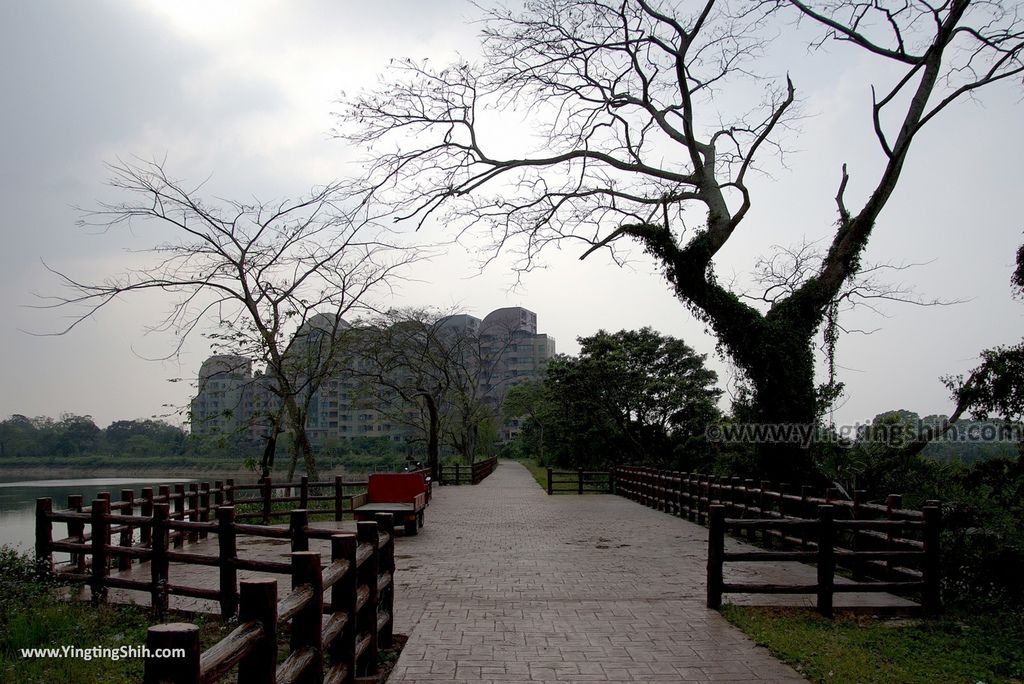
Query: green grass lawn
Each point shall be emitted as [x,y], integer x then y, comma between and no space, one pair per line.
[33,615]
[48,622]
[956,648]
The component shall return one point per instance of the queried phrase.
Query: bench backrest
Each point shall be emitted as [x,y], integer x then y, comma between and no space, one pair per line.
[394,487]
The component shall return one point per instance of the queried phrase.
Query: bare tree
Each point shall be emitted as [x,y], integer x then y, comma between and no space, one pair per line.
[273,279]
[407,362]
[625,95]
[784,270]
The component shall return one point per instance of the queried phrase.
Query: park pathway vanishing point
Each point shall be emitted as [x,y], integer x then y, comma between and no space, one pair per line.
[508,584]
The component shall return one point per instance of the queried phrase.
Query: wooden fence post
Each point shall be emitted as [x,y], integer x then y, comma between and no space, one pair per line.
[128,533]
[179,512]
[893,502]
[703,499]
[146,511]
[304,491]
[306,624]
[550,490]
[259,603]
[693,502]
[763,505]
[227,545]
[783,488]
[748,504]
[172,670]
[229,491]
[343,600]
[204,506]
[859,495]
[366,533]
[386,566]
[716,551]
[106,497]
[805,512]
[612,484]
[44,536]
[76,531]
[158,565]
[218,493]
[931,600]
[457,473]
[298,520]
[680,494]
[339,498]
[826,559]
[266,491]
[735,497]
[100,534]
[193,509]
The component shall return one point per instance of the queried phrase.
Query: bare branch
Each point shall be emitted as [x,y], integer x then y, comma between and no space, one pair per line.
[276,279]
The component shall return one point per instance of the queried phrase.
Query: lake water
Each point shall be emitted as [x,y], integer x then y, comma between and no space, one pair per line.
[18,502]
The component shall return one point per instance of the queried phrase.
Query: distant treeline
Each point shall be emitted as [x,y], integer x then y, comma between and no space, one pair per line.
[74,440]
[72,435]
[968,441]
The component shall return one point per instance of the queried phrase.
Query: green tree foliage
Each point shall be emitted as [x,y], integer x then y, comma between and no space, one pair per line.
[634,396]
[995,389]
[79,436]
[974,470]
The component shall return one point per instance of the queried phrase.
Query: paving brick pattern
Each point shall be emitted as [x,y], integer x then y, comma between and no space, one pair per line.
[507,584]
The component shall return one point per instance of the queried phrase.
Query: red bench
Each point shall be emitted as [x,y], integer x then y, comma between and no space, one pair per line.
[404,495]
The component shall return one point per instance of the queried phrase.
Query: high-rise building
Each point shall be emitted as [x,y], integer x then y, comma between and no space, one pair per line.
[224,401]
[491,355]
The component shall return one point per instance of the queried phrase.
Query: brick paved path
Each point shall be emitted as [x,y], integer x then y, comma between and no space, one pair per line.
[507,584]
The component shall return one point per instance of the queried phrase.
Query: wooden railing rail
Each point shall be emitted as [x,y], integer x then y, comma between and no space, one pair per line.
[459,474]
[826,553]
[94,555]
[580,481]
[197,502]
[331,641]
[888,553]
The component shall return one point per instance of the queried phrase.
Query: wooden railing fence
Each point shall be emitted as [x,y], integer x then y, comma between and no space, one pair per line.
[896,547]
[580,481]
[825,531]
[335,640]
[164,522]
[458,474]
[263,500]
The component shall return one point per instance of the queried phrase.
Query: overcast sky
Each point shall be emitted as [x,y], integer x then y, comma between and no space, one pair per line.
[243,92]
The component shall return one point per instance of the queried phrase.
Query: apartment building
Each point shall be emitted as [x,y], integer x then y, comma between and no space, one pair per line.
[493,354]
[224,401]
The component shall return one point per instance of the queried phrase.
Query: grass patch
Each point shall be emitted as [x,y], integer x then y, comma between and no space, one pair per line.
[850,648]
[33,616]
